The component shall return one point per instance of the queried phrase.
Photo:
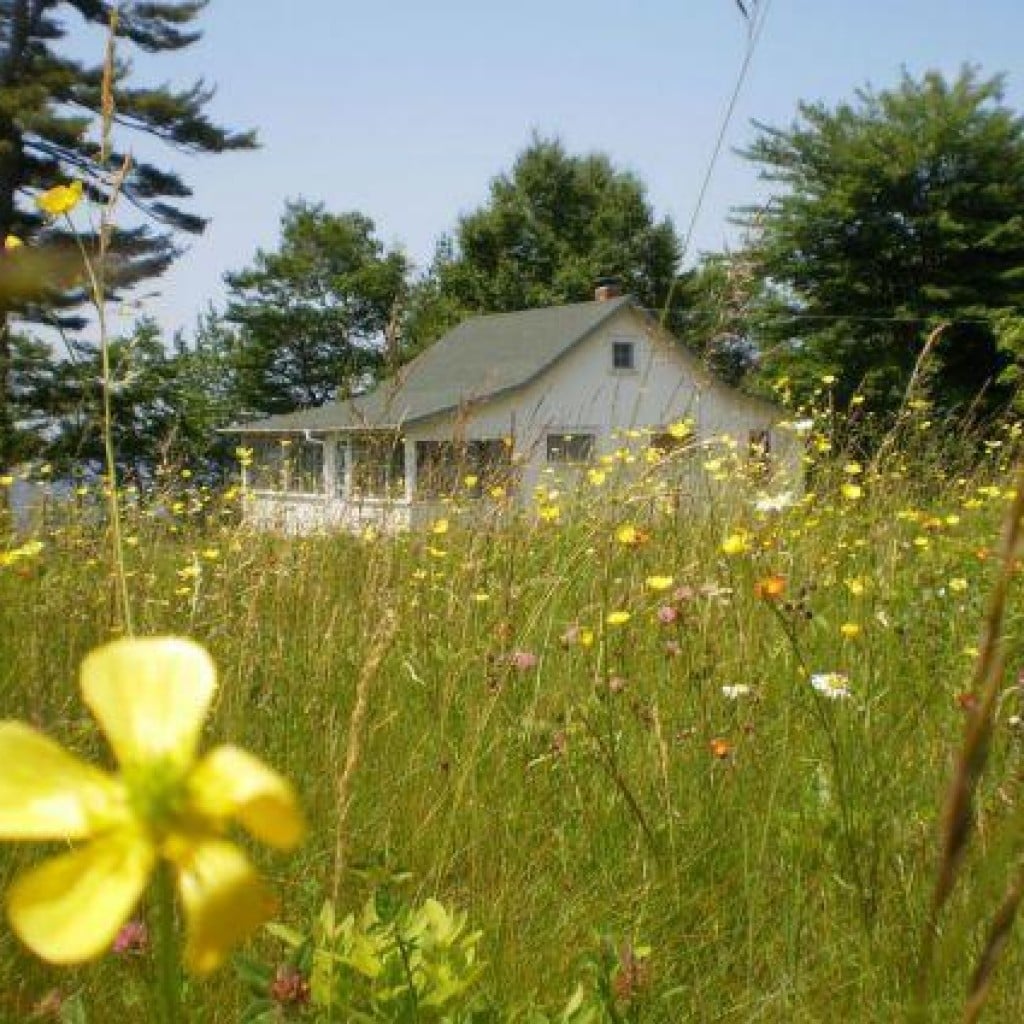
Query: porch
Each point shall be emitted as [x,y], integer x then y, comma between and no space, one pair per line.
[300,482]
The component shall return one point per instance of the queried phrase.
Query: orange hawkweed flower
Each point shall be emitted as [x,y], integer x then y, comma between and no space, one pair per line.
[720,748]
[771,588]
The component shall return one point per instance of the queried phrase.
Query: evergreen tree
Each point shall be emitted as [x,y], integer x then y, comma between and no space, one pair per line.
[313,315]
[896,213]
[50,104]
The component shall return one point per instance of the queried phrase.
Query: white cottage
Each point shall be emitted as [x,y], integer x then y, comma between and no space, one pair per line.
[494,402]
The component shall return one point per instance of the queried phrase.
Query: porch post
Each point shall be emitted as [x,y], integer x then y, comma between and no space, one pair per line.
[348,465]
[330,465]
[410,469]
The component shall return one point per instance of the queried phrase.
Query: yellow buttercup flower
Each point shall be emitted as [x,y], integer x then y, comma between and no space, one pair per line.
[60,199]
[12,242]
[166,804]
[618,618]
[659,582]
[736,544]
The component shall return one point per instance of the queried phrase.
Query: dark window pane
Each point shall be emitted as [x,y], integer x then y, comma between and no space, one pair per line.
[623,355]
[570,448]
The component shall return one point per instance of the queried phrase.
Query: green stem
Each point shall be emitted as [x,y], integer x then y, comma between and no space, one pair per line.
[165,943]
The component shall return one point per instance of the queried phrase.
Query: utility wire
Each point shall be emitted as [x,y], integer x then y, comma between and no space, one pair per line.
[757,22]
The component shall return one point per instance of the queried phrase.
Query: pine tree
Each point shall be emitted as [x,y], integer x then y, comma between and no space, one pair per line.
[50,105]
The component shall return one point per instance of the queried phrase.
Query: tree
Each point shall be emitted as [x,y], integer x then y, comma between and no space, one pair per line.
[50,102]
[314,314]
[897,212]
[551,228]
[719,297]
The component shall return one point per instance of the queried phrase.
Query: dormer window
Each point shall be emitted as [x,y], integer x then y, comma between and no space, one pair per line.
[623,355]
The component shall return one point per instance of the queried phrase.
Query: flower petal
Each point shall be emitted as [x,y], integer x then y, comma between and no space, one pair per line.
[225,900]
[47,793]
[150,696]
[231,784]
[70,908]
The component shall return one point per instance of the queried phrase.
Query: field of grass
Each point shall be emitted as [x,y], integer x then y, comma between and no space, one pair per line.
[739,783]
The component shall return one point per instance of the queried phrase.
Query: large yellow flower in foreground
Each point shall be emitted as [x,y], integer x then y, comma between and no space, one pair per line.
[150,698]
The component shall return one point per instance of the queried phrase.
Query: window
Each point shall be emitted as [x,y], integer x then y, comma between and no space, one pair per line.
[759,443]
[443,467]
[570,449]
[670,442]
[287,464]
[378,466]
[623,355]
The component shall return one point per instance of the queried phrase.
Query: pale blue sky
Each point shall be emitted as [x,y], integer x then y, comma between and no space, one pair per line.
[404,110]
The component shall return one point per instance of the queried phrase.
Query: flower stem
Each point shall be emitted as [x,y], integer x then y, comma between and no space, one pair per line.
[168,965]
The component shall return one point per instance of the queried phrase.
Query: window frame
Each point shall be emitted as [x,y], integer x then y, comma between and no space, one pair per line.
[558,456]
[624,345]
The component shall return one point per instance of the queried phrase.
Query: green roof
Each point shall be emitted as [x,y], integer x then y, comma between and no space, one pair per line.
[482,357]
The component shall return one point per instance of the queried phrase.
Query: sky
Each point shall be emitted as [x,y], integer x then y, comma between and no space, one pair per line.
[405,110]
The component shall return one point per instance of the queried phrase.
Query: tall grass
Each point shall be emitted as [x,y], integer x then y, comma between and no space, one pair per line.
[776,848]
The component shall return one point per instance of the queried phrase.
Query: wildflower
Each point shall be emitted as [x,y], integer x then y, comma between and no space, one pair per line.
[829,378]
[855,586]
[440,527]
[576,634]
[289,987]
[550,513]
[629,535]
[720,748]
[736,691]
[659,583]
[150,698]
[667,614]
[958,585]
[770,588]
[12,242]
[596,476]
[522,661]
[132,939]
[853,469]
[680,430]
[834,685]
[618,618]
[852,492]
[736,544]
[470,480]
[60,199]
[774,503]
[850,630]
[967,701]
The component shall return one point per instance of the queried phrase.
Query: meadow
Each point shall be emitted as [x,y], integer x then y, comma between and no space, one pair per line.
[674,761]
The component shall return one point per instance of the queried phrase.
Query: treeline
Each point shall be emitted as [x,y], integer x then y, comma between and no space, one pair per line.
[896,221]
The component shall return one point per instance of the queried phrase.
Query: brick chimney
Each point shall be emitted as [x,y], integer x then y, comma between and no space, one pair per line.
[607,288]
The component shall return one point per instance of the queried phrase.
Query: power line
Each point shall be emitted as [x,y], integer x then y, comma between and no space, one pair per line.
[760,17]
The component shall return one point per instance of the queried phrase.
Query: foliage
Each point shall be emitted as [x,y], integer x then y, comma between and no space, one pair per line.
[551,228]
[49,102]
[166,401]
[390,963]
[897,213]
[313,314]
[718,297]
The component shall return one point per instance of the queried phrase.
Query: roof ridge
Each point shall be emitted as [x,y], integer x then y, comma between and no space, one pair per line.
[618,300]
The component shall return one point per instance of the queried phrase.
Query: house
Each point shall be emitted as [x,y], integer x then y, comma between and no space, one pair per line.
[496,405]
